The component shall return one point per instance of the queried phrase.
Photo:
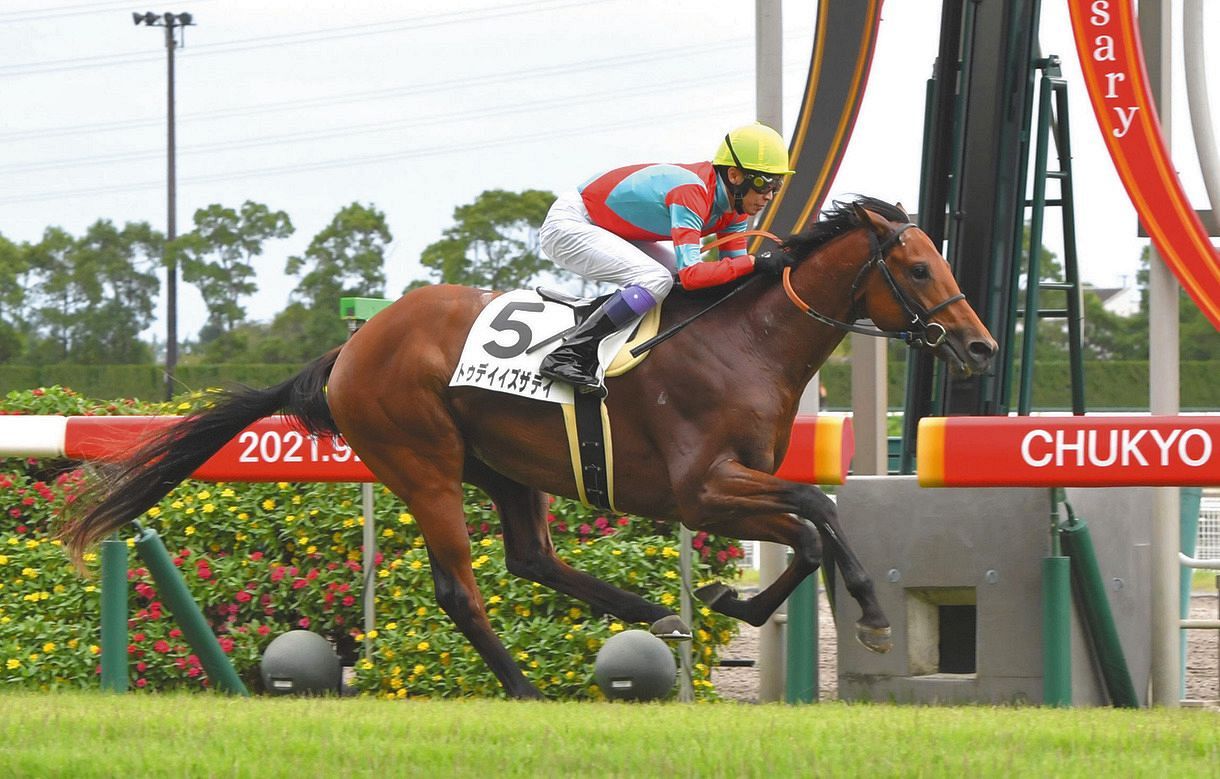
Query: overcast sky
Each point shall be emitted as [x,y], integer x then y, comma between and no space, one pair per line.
[418,107]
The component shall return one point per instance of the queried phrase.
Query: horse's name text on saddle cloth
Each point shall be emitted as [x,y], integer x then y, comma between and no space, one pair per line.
[495,357]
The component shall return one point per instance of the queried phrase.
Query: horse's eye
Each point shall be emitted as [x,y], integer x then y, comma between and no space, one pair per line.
[920,271]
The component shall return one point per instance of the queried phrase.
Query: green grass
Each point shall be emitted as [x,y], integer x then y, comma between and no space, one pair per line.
[93,734]
[1204,580]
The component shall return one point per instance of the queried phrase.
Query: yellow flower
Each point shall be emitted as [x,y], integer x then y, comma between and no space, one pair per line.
[671,574]
[208,508]
[227,492]
[383,574]
[243,516]
[311,549]
[268,504]
[616,552]
[283,485]
[405,519]
[13,664]
[391,626]
[667,598]
[155,511]
[387,532]
[616,627]
[365,665]
[190,530]
[418,669]
[486,542]
[94,649]
[205,495]
[423,646]
[48,647]
[28,572]
[176,504]
[493,600]
[184,406]
[371,634]
[416,565]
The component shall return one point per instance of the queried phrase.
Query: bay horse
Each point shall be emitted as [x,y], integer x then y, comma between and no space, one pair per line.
[698,427]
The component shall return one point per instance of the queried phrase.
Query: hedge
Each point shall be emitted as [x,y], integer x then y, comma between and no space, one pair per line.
[262,559]
[1116,385]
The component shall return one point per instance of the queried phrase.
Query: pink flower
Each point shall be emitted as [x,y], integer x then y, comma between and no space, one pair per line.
[303,623]
[256,556]
[243,597]
[141,682]
[193,672]
[585,529]
[299,583]
[263,630]
[175,633]
[722,556]
[141,666]
[226,644]
[349,601]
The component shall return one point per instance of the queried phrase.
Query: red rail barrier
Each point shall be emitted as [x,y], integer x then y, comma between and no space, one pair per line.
[273,450]
[1156,451]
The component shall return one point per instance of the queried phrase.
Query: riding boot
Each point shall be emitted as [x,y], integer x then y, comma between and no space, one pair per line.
[575,362]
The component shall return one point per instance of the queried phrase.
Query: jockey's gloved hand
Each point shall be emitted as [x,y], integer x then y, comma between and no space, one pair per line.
[771,261]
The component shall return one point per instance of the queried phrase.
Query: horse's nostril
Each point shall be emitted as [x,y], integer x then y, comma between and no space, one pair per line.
[982,350]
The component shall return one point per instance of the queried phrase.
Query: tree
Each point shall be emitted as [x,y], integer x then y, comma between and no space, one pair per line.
[95,294]
[217,257]
[346,259]
[14,270]
[494,242]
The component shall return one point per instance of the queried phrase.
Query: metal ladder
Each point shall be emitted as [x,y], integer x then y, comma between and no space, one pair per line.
[1052,87]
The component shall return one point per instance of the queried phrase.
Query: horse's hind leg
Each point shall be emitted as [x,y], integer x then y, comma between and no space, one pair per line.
[530,554]
[435,499]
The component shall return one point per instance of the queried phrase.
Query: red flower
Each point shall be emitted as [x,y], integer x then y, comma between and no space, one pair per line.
[303,623]
[256,556]
[349,601]
[14,513]
[138,637]
[722,556]
[161,647]
[141,682]
[175,633]
[204,572]
[243,597]
[299,583]
[263,630]
[623,521]
[585,529]
[193,672]
[141,666]
[226,644]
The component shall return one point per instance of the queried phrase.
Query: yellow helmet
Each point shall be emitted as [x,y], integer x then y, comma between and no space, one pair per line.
[754,147]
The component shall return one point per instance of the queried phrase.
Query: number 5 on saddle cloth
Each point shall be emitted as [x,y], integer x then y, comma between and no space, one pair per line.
[497,356]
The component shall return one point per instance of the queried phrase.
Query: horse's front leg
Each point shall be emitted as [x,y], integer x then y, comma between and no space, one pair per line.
[738,502]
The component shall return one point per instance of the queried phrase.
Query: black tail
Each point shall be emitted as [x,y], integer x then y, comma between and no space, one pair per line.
[163,461]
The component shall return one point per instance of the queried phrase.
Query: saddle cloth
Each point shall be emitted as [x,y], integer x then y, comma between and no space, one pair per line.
[495,356]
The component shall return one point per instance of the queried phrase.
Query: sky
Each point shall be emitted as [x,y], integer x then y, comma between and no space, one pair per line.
[417,107]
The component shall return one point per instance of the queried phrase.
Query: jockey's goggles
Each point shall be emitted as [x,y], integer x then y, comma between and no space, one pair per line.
[759,182]
[762,183]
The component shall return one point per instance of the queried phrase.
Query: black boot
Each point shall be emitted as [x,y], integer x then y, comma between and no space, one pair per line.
[575,362]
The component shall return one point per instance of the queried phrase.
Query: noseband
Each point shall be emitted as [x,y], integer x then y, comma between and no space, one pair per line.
[923,333]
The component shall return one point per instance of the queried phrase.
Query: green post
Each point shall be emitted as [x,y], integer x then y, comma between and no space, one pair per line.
[801,679]
[1098,618]
[177,598]
[114,614]
[1056,631]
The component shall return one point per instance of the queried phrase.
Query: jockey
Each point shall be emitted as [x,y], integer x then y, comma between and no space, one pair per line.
[608,231]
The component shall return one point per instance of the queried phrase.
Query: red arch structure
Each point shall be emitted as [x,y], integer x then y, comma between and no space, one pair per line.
[1112,61]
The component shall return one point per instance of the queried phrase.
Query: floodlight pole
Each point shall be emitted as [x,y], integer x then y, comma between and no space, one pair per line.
[170,21]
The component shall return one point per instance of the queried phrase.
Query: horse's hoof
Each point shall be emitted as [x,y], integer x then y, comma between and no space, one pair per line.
[711,593]
[879,640]
[671,628]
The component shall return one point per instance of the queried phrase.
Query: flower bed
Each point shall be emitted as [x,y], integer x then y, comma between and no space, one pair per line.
[261,559]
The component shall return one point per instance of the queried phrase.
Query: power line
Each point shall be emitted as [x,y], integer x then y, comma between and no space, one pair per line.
[55,12]
[308,36]
[701,49]
[367,159]
[365,128]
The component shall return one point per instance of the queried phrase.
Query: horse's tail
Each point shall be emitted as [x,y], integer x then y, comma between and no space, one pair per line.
[117,494]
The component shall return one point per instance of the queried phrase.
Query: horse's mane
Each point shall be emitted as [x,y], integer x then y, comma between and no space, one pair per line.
[838,219]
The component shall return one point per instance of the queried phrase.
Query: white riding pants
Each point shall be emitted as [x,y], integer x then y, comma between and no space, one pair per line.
[574,243]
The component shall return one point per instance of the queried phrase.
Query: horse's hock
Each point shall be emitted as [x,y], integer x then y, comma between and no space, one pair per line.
[958,572]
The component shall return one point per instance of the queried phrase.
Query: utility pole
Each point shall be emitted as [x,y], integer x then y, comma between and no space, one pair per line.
[170,21]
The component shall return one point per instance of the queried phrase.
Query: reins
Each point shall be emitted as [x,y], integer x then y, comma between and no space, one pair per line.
[660,338]
[921,337]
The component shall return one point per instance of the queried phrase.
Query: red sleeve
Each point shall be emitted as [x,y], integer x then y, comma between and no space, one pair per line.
[713,274]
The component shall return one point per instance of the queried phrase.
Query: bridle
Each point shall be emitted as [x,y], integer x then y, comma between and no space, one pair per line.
[924,333]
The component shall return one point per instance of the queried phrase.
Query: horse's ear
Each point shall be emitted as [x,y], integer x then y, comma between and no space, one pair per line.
[905,215]
[866,217]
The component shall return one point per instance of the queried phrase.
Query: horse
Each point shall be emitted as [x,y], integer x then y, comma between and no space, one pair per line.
[698,427]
